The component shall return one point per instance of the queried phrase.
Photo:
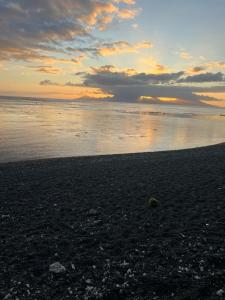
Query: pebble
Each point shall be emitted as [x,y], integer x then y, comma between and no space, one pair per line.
[5,216]
[8,296]
[88,281]
[57,268]
[220,292]
[92,212]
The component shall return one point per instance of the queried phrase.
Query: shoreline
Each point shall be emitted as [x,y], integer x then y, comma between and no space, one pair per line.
[108,156]
[92,215]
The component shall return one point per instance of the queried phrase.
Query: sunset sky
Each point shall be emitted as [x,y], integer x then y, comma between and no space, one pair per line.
[156,51]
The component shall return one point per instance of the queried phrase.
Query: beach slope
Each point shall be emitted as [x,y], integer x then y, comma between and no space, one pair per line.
[92,215]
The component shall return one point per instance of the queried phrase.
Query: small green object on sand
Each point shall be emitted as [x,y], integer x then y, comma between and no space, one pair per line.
[153,202]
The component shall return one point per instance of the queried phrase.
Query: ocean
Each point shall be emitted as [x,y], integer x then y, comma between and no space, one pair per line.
[37,129]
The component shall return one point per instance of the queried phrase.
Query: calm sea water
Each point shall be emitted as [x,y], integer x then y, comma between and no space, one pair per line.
[43,129]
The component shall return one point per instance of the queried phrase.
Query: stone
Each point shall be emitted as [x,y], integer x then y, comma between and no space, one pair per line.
[153,202]
[220,292]
[57,268]
[92,212]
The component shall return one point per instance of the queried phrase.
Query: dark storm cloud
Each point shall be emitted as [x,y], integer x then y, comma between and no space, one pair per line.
[129,87]
[108,78]
[132,93]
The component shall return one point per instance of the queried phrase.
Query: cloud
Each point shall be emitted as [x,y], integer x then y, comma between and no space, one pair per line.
[202,78]
[130,86]
[78,91]
[185,55]
[113,48]
[9,53]
[197,69]
[215,65]
[122,47]
[150,63]
[207,66]
[127,13]
[109,76]
[49,83]
[125,1]
[183,94]
[31,25]
[46,69]
[75,60]
[30,55]
[32,29]
[71,84]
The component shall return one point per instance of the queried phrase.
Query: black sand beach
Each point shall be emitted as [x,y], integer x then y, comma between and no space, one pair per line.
[93,217]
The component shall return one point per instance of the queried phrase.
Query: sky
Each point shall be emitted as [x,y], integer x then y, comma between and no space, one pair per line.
[164,51]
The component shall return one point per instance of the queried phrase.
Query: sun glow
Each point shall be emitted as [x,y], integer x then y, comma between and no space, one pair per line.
[219,99]
[163,99]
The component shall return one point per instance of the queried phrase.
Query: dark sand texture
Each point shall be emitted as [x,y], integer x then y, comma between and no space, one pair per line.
[92,215]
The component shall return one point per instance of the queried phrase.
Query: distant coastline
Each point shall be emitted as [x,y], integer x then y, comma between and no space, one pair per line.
[110,100]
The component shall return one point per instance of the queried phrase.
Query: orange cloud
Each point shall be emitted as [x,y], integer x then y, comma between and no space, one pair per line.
[62,22]
[149,63]
[168,99]
[46,69]
[127,13]
[219,98]
[211,65]
[132,2]
[215,65]
[122,47]
[156,100]
[99,10]
[112,69]
[28,55]
[75,91]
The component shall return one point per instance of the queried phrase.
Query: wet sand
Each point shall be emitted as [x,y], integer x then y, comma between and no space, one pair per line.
[92,215]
